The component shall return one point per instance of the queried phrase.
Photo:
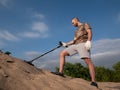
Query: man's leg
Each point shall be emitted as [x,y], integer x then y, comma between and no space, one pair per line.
[62,60]
[66,52]
[91,69]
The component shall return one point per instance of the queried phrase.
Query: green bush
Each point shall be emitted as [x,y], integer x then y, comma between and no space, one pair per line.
[103,74]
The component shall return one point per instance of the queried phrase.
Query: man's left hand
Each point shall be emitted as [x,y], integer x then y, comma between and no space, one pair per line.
[88,45]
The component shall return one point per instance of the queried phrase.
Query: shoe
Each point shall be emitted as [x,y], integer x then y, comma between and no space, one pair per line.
[94,84]
[58,73]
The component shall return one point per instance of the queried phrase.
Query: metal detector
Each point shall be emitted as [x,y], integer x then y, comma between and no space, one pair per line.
[30,62]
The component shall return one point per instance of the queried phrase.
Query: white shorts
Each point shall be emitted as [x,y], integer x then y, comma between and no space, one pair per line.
[78,48]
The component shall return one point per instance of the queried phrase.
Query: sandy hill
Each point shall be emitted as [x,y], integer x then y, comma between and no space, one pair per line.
[15,74]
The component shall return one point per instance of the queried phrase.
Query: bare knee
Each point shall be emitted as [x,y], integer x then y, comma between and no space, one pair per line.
[87,61]
[63,54]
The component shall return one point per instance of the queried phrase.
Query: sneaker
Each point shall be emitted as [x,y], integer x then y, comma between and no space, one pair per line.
[94,84]
[58,73]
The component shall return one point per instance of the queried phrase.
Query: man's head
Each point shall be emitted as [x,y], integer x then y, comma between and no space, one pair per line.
[75,21]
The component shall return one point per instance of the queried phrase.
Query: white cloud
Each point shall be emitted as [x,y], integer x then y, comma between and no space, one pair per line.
[39,30]
[5,35]
[104,53]
[106,59]
[1,44]
[39,16]
[5,3]
[30,34]
[106,45]
[118,17]
[40,27]
[31,54]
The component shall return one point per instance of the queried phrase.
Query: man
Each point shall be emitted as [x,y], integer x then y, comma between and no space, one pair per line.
[81,44]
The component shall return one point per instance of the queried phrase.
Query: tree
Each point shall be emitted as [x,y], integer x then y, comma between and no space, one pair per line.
[77,70]
[116,68]
[104,74]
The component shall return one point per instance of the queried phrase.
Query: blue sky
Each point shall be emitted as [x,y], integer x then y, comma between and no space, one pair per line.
[29,28]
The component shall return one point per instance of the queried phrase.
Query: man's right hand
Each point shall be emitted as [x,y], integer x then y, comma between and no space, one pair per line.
[64,44]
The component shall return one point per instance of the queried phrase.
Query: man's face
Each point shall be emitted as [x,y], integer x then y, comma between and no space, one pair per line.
[74,23]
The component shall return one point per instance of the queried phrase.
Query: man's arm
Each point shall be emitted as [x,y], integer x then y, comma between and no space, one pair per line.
[71,42]
[89,31]
[88,43]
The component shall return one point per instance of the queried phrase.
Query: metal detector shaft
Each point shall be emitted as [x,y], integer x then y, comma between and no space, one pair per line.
[45,53]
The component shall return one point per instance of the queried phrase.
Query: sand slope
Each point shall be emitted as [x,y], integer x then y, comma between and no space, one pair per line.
[15,74]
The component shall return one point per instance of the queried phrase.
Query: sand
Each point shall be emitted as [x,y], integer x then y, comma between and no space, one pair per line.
[15,74]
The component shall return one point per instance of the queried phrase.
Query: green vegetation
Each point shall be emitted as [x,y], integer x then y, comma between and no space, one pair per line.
[103,74]
[7,52]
